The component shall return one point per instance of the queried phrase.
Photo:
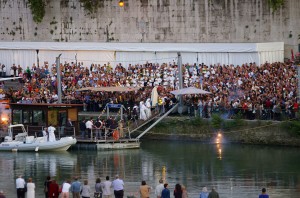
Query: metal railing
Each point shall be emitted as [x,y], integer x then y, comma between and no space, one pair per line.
[248,114]
[37,131]
[105,134]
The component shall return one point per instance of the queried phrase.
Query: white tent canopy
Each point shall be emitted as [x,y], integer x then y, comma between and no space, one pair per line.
[189,90]
[25,54]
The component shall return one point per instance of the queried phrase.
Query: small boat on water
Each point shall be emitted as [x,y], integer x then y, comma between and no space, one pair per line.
[23,142]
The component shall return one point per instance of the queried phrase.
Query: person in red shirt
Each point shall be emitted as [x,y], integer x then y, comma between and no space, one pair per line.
[295,108]
[53,191]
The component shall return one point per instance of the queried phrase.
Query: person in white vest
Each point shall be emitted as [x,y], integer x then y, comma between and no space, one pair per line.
[51,133]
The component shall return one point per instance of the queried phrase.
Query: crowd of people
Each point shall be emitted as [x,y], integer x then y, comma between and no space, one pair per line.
[264,91]
[106,189]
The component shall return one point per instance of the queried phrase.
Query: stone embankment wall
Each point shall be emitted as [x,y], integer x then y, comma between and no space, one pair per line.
[154,21]
[252,132]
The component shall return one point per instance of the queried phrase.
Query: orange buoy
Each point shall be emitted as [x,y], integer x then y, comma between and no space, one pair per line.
[116,134]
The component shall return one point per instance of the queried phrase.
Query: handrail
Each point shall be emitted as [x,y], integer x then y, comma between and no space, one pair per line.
[157,121]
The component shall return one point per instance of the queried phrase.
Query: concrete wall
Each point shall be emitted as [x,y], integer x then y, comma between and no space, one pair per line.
[154,21]
[252,132]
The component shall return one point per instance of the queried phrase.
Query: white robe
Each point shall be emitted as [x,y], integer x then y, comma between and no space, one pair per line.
[143,115]
[51,130]
[148,108]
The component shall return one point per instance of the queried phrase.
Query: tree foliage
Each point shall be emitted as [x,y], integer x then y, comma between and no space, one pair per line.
[216,121]
[276,4]
[37,9]
[90,5]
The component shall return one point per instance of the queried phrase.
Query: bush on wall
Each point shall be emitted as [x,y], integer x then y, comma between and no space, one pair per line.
[275,4]
[90,5]
[37,9]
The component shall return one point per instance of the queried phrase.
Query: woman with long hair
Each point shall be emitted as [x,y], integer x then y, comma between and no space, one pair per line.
[177,191]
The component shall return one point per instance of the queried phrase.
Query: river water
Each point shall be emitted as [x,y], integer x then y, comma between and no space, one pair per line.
[236,171]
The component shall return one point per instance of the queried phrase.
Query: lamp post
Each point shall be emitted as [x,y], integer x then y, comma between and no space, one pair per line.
[76,59]
[58,78]
[37,58]
[179,63]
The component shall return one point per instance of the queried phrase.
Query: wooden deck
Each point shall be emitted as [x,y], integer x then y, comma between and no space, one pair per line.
[108,140]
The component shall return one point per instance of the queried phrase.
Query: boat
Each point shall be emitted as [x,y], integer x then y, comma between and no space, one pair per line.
[23,142]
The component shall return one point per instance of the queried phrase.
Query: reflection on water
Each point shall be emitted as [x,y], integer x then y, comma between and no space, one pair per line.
[235,170]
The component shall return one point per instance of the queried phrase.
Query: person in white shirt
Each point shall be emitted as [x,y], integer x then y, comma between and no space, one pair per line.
[118,186]
[106,188]
[30,189]
[159,188]
[66,189]
[20,185]
[45,135]
[51,130]
[89,125]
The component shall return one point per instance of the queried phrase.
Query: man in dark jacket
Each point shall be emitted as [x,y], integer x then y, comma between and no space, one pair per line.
[165,192]
[213,194]
[98,125]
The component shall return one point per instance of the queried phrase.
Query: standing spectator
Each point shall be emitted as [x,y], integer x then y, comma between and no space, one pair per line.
[165,192]
[98,125]
[19,70]
[106,188]
[89,125]
[184,192]
[2,194]
[82,128]
[204,193]
[118,186]
[159,188]
[14,68]
[177,191]
[263,194]
[75,188]
[51,130]
[28,72]
[20,185]
[86,190]
[144,190]
[213,194]
[45,134]
[53,191]
[65,189]
[135,114]
[98,188]
[46,186]
[30,189]
[121,128]
[200,107]
[69,126]
[295,108]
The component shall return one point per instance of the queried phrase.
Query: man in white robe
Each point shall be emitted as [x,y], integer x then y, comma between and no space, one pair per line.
[51,130]
[143,115]
[148,108]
